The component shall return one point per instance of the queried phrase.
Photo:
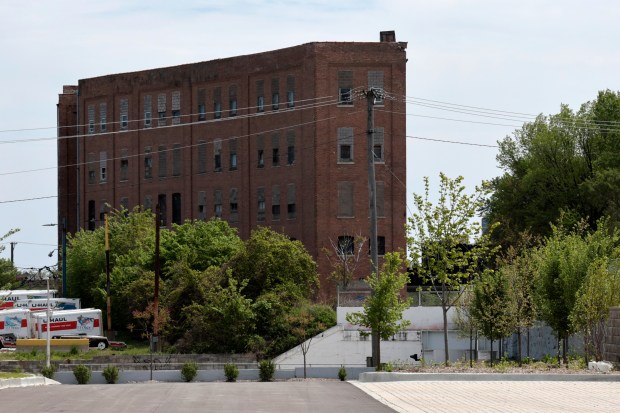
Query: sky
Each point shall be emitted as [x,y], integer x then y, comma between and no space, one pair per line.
[476,71]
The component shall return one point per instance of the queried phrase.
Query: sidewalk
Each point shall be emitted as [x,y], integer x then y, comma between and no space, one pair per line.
[496,396]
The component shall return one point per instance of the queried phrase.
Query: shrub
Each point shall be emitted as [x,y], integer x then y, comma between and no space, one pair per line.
[74,351]
[266,370]
[82,373]
[48,371]
[231,371]
[189,371]
[110,374]
[342,373]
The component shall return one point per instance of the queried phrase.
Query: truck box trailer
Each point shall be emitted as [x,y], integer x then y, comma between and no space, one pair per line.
[56,304]
[17,323]
[9,297]
[68,322]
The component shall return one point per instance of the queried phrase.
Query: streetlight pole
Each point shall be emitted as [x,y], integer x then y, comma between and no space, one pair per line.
[64,254]
[49,333]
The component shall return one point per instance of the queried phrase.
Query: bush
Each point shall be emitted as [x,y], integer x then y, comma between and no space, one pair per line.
[189,371]
[48,371]
[266,369]
[231,371]
[110,374]
[342,373]
[82,373]
[74,351]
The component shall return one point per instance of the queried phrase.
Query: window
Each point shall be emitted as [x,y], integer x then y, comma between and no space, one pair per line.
[234,207]
[375,82]
[147,111]
[176,107]
[345,144]
[233,154]
[163,168]
[260,145]
[377,148]
[91,118]
[260,96]
[275,203]
[202,205]
[161,202]
[290,91]
[202,108]
[103,166]
[102,211]
[275,94]
[92,176]
[176,209]
[148,202]
[202,157]
[91,215]
[346,245]
[176,160]
[148,163]
[124,114]
[291,208]
[232,100]
[217,155]
[380,246]
[103,117]
[261,204]
[125,205]
[275,149]
[290,149]
[161,109]
[345,200]
[217,103]
[345,86]
[124,175]
[217,205]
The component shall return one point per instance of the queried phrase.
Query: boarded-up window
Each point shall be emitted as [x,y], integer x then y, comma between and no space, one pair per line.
[148,163]
[234,206]
[176,107]
[176,159]
[202,107]
[345,199]
[377,149]
[162,154]
[275,94]
[124,175]
[291,206]
[260,194]
[345,87]
[375,81]
[275,203]
[202,205]
[92,176]
[124,121]
[345,144]
[232,100]
[125,204]
[91,118]
[202,157]
[260,95]
[148,110]
[217,204]
[217,102]
[161,109]
[148,202]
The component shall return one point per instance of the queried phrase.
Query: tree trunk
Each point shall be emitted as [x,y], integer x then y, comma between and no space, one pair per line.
[445,334]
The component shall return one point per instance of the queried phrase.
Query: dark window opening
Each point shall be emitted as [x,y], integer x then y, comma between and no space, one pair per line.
[176,209]
[346,245]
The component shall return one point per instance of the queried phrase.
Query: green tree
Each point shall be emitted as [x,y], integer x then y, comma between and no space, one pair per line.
[492,307]
[8,272]
[563,166]
[599,291]
[383,310]
[446,246]
[271,260]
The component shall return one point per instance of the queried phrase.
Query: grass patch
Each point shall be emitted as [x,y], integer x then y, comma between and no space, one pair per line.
[5,375]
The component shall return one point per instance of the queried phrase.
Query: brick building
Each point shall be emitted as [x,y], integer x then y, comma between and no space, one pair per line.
[277,139]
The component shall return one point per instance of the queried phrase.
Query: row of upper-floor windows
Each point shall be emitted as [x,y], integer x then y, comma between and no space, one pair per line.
[210,102]
[348,245]
[216,201]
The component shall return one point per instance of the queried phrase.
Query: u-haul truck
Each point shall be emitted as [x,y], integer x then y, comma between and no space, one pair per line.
[56,304]
[8,298]
[17,322]
[68,322]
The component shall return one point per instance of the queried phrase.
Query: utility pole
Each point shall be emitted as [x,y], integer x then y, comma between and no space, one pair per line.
[371,96]
[12,248]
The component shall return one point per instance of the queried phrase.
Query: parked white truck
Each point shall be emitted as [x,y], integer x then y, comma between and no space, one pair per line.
[8,298]
[68,323]
[17,323]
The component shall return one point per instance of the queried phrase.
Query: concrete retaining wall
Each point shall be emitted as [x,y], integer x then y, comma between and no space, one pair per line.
[612,341]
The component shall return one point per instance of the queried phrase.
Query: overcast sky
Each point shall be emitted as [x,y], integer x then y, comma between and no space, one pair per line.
[492,64]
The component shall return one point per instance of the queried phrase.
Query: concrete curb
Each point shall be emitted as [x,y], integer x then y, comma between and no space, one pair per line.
[386,377]
[26,382]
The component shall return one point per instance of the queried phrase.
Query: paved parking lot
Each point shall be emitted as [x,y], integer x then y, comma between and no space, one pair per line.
[496,396]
